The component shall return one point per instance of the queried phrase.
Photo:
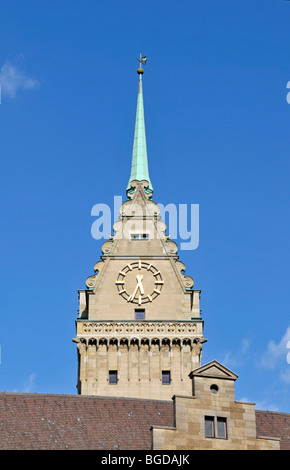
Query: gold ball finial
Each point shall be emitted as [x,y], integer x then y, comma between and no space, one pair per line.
[142,61]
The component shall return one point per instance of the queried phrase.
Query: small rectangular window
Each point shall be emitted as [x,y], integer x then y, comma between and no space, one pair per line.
[166,377]
[113,377]
[139,314]
[139,236]
[209,426]
[222,428]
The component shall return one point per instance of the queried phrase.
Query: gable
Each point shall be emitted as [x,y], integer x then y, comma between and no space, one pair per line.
[213,369]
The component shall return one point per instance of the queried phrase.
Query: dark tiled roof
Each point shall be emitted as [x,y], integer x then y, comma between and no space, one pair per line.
[44,421]
[274,424]
[40,421]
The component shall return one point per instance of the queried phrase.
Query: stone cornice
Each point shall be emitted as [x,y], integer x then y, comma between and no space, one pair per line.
[129,328]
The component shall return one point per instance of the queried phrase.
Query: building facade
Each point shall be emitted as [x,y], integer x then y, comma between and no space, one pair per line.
[139,332]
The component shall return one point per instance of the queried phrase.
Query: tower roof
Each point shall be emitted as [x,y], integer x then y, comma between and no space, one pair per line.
[139,166]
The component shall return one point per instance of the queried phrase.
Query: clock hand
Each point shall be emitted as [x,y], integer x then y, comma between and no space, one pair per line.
[138,286]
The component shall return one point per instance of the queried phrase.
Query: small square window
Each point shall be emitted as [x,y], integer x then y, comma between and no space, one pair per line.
[139,314]
[166,377]
[215,427]
[209,426]
[113,377]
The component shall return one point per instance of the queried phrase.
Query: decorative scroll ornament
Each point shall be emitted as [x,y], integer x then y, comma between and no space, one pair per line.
[144,184]
[91,280]
[171,246]
[187,280]
[106,247]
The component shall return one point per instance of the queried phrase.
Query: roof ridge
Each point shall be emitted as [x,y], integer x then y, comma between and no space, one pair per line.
[274,412]
[67,395]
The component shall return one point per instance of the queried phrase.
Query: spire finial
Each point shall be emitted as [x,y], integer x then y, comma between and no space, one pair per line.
[142,61]
[139,166]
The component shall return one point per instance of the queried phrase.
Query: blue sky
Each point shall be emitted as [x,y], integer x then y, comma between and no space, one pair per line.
[218,128]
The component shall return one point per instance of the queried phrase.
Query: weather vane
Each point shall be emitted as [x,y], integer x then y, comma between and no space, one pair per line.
[142,60]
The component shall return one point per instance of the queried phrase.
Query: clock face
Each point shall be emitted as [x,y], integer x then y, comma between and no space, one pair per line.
[139,282]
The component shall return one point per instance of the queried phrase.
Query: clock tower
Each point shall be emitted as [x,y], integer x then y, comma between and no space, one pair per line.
[139,332]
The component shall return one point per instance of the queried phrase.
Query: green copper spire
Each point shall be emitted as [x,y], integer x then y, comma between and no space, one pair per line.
[139,167]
